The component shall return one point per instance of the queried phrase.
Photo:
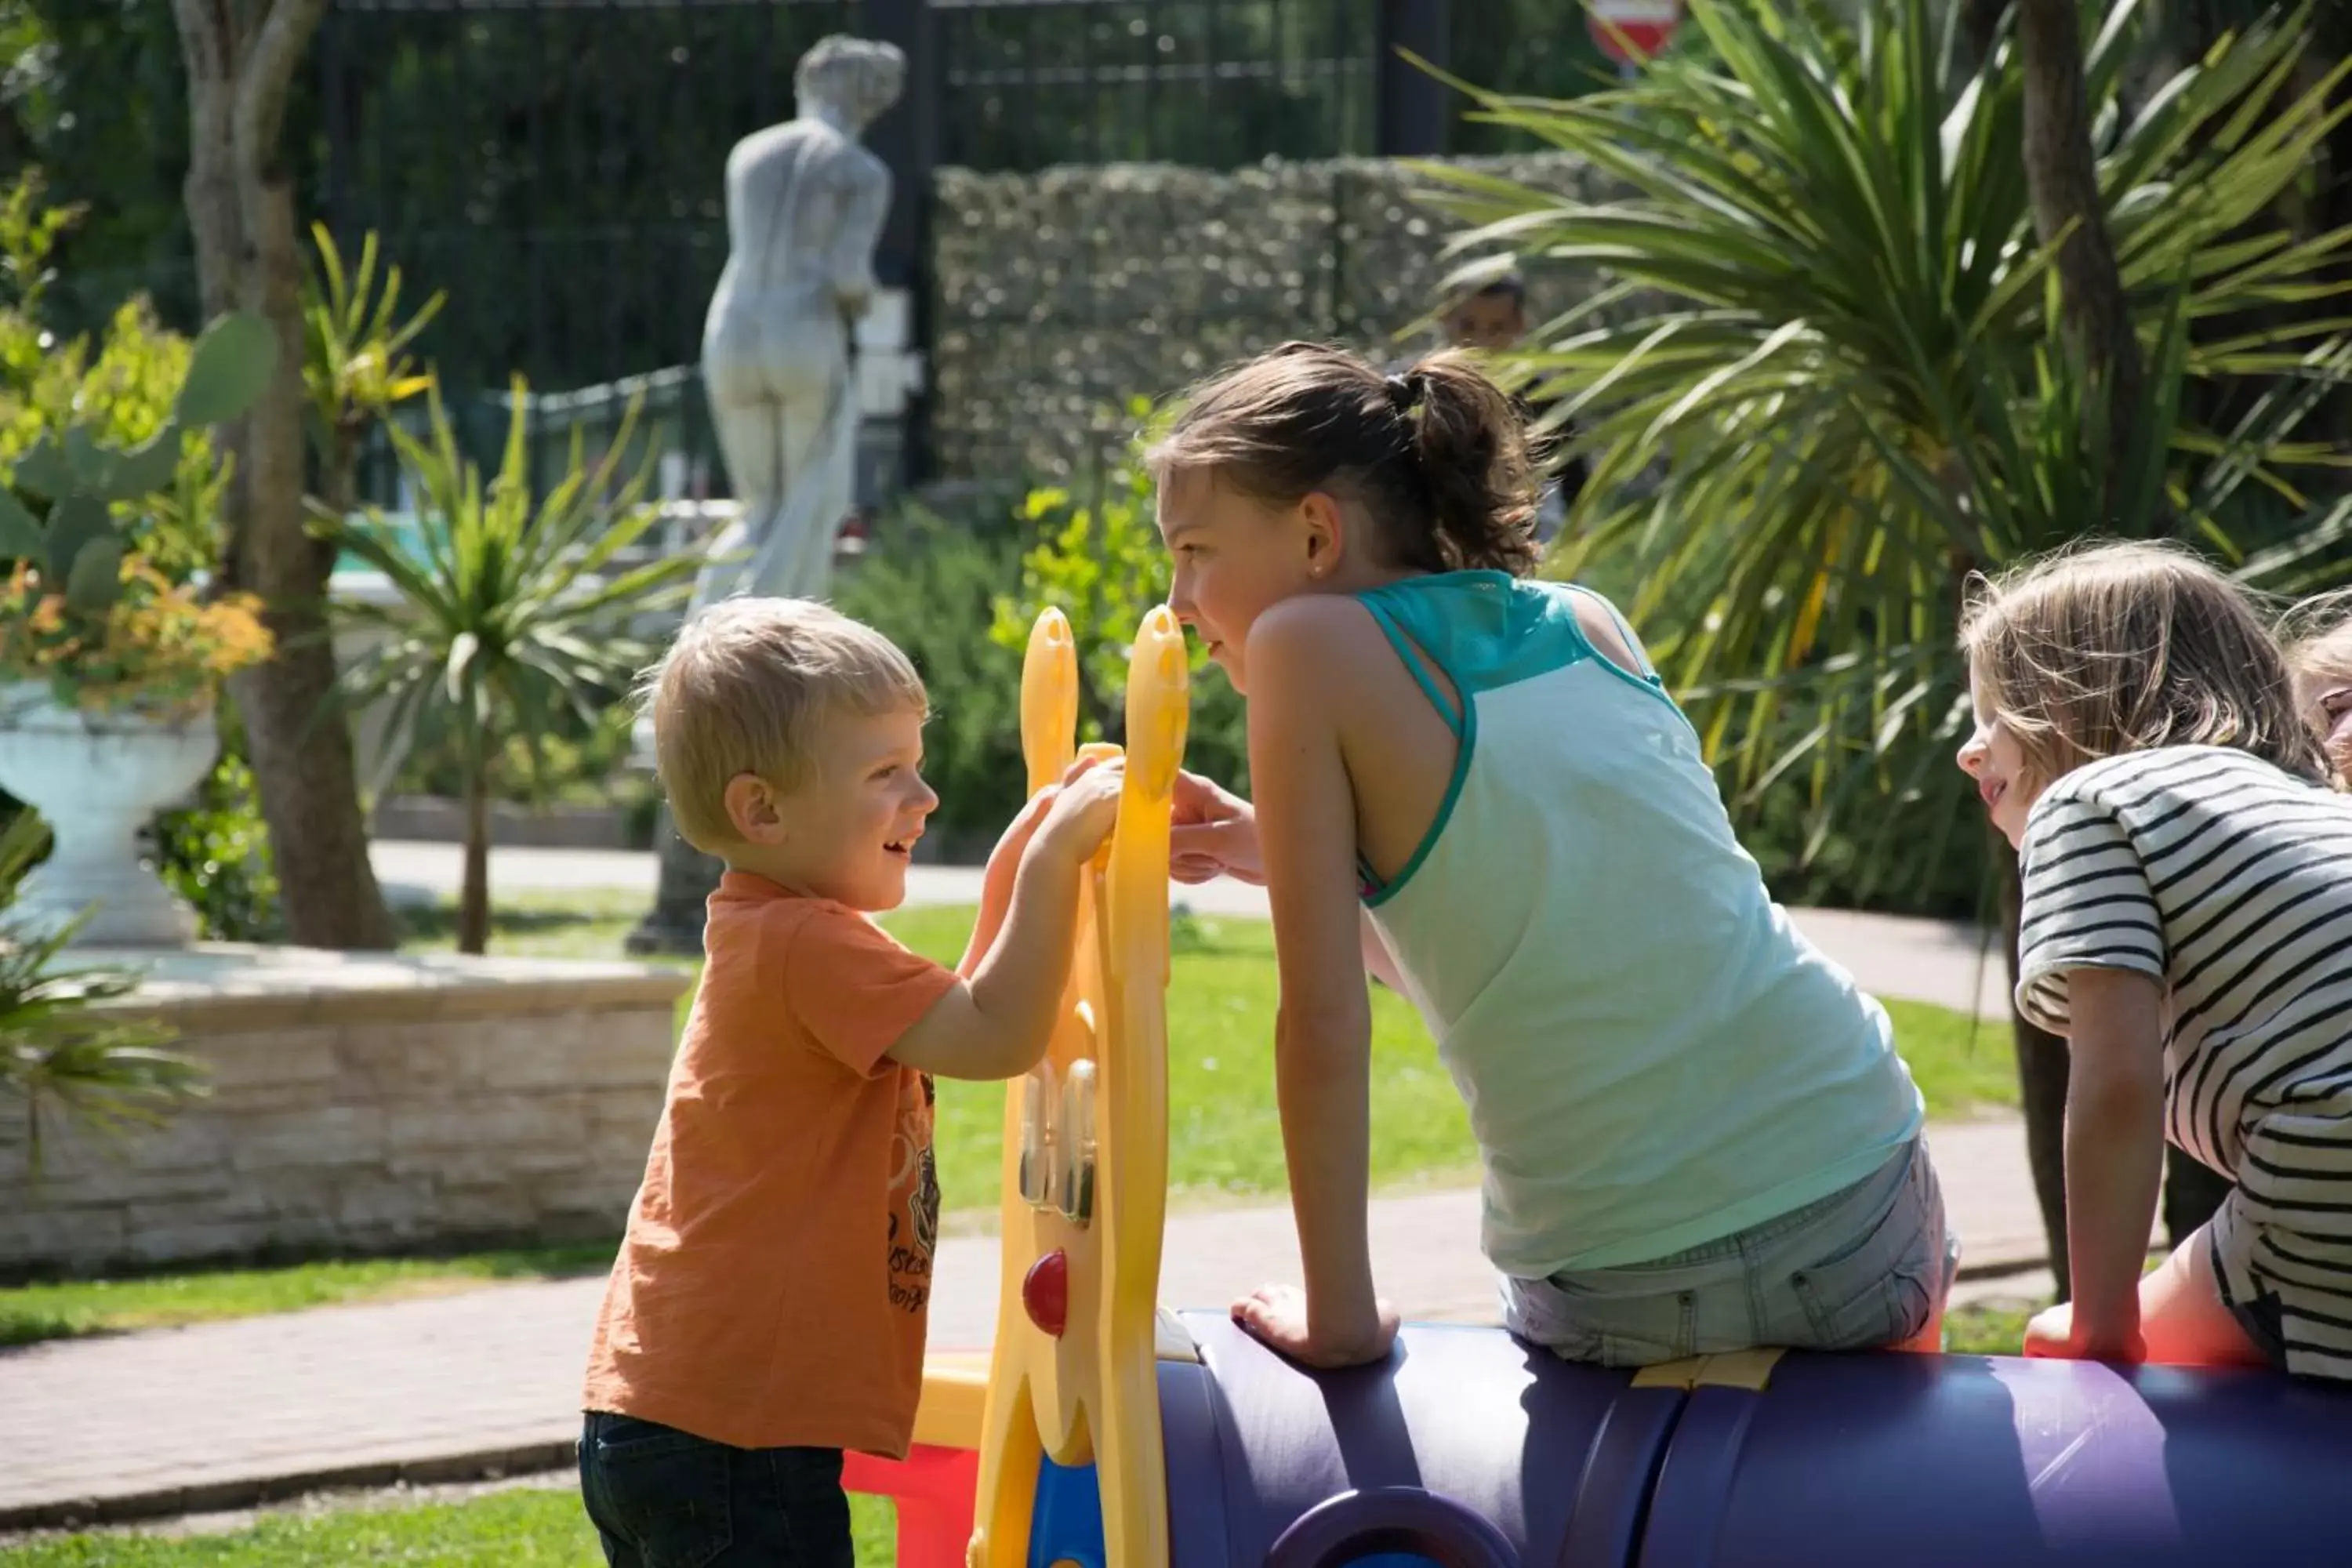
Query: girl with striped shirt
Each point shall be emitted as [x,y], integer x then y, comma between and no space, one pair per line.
[2186,925]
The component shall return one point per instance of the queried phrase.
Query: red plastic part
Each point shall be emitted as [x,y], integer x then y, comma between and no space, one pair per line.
[934,1489]
[1045,1292]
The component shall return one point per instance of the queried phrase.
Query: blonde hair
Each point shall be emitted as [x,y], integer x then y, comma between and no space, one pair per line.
[2318,632]
[747,689]
[2123,648]
[2319,651]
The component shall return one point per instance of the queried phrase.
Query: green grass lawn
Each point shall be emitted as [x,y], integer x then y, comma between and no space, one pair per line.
[1224,1137]
[528,1528]
[1988,1328]
[1224,1142]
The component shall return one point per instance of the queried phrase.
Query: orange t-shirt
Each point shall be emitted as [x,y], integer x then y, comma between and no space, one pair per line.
[775,1281]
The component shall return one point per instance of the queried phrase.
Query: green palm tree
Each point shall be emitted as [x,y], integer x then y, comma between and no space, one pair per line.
[1824,304]
[2182,30]
[504,618]
[355,362]
[106,1072]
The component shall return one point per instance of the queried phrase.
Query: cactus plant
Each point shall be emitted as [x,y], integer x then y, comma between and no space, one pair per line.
[77,546]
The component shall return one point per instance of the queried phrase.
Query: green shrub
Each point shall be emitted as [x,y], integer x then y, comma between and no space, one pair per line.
[1100,563]
[215,853]
[1907,854]
[959,593]
[121,387]
[576,762]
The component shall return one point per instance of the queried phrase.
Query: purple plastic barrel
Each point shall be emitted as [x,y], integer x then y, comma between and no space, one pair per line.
[1460,1426]
[1912,1461]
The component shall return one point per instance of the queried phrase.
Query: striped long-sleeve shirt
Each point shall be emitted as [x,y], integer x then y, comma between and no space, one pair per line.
[2230,882]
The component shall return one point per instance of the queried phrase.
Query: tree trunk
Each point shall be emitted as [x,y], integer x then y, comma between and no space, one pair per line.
[339,485]
[1981,24]
[2042,1076]
[2063,176]
[474,898]
[241,60]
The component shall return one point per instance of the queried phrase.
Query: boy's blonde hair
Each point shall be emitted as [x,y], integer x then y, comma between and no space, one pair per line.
[747,688]
[2123,648]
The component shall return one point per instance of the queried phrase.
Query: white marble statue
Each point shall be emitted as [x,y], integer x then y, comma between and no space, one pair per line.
[805,204]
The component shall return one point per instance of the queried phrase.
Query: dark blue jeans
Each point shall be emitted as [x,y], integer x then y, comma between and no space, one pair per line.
[660,1498]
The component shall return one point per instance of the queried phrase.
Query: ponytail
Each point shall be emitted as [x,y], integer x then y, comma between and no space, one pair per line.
[1472,454]
[1437,457]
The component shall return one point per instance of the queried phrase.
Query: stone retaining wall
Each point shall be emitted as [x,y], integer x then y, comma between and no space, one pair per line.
[362,1103]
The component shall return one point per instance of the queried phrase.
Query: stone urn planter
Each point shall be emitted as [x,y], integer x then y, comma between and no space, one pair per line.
[95,779]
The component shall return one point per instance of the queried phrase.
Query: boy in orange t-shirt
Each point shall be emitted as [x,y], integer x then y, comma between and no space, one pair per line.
[768,1307]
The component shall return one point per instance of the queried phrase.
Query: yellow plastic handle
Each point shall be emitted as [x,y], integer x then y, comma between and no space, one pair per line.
[1049,699]
[1090,1393]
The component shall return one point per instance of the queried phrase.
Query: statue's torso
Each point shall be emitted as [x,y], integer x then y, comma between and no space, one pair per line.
[791,189]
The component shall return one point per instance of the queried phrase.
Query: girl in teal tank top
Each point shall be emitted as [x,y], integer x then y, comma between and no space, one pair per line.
[1694,1131]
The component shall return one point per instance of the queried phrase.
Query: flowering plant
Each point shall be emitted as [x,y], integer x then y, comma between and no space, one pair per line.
[155,648]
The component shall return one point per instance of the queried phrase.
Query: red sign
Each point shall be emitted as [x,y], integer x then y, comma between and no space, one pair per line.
[1642,27]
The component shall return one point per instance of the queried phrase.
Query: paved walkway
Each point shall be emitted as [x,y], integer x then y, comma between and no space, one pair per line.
[222,1414]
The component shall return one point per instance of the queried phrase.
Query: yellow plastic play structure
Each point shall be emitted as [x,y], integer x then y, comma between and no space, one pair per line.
[1085,1144]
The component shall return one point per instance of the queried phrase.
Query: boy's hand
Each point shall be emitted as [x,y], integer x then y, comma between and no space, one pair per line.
[1033,813]
[1004,864]
[1021,830]
[997,1023]
[1083,809]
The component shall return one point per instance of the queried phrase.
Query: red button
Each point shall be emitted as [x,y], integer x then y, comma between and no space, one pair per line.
[1045,1292]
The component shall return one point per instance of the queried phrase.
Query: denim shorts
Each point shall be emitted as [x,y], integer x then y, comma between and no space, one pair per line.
[1864,1267]
[2260,1316]
[660,1498]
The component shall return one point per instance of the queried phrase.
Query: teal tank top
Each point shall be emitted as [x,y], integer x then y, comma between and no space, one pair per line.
[1653,1057]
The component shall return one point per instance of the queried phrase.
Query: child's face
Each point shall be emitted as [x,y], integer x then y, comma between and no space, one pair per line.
[1235,557]
[2325,698]
[847,833]
[1491,321]
[2005,781]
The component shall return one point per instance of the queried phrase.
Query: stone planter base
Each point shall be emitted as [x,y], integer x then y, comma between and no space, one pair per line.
[95,779]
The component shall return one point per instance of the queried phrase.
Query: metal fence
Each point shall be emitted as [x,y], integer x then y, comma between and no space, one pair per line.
[556,166]
[1028,83]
